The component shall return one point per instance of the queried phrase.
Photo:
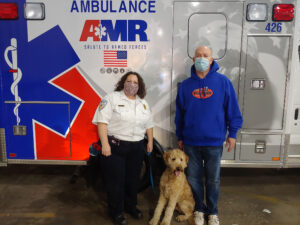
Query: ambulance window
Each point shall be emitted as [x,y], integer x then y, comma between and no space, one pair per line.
[208,29]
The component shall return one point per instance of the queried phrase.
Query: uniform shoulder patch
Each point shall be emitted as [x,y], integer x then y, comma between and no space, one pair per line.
[102,104]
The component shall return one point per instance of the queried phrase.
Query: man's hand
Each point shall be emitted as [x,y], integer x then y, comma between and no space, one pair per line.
[180,145]
[106,151]
[230,143]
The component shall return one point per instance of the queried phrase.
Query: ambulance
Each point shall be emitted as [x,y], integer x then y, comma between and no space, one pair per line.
[59,58]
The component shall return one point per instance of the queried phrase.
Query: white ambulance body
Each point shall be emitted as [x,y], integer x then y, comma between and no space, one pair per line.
[59,58]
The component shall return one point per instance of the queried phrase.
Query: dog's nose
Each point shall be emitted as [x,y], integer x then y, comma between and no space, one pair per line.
[178,168]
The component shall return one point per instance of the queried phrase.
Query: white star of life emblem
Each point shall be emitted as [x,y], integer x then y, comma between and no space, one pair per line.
[100,31]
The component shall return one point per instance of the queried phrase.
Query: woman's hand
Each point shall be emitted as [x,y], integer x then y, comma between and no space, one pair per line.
[149,146]
[102,132]
[150,139]
[106,151]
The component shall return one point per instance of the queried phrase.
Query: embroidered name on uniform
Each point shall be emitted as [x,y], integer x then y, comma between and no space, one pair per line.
[102,104]
[121,105]
[202,93]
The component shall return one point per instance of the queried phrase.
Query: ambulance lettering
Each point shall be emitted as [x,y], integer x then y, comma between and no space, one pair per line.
[124,30]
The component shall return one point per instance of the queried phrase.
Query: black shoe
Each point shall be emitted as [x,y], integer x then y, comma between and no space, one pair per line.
[135,213]
[119,220]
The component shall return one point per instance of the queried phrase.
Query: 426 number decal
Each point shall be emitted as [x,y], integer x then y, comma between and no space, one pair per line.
[273,27]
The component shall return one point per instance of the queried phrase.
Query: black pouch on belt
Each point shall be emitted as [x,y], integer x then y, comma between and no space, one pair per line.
[113,141]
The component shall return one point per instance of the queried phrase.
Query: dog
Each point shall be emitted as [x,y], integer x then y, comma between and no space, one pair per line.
[174,190]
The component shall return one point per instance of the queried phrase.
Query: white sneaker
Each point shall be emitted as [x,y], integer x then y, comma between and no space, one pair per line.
[199,218]
[213,220]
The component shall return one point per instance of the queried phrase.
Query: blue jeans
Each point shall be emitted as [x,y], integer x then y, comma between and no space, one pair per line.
[204,161]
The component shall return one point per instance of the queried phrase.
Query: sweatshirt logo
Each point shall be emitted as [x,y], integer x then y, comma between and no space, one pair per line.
[202,93]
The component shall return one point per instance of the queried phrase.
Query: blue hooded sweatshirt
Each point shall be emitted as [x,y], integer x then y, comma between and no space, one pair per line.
[206,108]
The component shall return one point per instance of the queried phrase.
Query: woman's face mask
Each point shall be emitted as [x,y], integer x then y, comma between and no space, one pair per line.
[201,64]
[131,88]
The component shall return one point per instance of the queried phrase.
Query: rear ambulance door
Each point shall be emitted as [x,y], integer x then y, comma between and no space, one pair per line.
[267,48]
[36,110]
[215,24]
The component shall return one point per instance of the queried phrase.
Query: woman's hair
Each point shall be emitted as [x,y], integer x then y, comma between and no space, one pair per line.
[142,89]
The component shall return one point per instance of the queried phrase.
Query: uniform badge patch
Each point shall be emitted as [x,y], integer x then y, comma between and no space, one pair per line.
[102,104]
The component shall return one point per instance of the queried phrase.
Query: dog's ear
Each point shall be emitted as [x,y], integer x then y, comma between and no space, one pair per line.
[166,156]
[186,158]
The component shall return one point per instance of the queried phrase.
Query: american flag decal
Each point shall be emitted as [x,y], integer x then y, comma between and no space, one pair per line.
[115,58]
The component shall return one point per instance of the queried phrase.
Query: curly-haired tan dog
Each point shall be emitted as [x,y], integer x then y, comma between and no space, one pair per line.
[174,190]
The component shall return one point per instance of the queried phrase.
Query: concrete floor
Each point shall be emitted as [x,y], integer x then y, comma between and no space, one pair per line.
[34,195]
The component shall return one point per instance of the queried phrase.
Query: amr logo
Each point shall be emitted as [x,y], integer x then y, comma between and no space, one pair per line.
[17,74]
[121,30]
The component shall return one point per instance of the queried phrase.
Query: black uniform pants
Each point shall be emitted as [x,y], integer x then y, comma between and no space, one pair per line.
[121,171]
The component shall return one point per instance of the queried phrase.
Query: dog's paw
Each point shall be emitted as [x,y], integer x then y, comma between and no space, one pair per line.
[151,222]
[181,218]
[164,223]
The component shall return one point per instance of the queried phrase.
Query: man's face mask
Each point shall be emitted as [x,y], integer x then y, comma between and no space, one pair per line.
[131,88]
[201,64]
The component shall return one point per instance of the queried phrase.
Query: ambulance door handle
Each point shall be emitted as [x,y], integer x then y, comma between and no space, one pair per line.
[299,52]
[296,114]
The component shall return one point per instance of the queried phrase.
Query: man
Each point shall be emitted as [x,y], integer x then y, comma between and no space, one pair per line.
[206,108]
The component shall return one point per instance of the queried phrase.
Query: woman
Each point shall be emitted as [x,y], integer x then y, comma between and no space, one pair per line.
[123,118]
